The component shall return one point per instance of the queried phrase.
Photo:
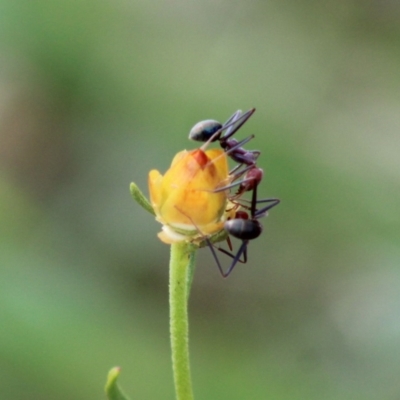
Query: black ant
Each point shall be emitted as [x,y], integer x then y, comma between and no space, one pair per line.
[244,227]
[211,130]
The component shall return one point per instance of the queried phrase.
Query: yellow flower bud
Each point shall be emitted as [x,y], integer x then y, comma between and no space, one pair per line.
[184,199]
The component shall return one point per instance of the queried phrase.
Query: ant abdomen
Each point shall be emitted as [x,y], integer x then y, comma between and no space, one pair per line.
[243,229]
[203,130]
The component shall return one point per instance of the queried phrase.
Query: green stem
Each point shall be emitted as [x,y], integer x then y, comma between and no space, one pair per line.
[181,267]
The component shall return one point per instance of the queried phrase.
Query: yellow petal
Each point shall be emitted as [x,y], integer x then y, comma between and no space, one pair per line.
[184,198]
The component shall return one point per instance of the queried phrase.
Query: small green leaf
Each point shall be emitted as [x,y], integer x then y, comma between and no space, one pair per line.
[113,391]
[140,198]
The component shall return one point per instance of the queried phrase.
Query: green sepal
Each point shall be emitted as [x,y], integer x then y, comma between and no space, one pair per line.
[113,390]
[140,198]
[217,237]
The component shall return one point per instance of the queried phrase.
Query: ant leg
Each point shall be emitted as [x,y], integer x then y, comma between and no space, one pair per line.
[233,118]
[230,123]
[262,212]
[217,133]
[221,271]
[244,117]
[269,200]
[242,250]
[230,186]
[234,169]
[236,257]
[211,246]
[229,241]
[244,261]
[253,209]
[235,175]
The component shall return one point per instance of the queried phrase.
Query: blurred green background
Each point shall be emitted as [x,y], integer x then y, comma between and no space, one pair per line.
[94,94]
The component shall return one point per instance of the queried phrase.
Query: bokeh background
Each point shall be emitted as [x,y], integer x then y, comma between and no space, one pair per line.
[94,94]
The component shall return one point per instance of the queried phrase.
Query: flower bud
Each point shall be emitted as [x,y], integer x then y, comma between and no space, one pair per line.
[184,199]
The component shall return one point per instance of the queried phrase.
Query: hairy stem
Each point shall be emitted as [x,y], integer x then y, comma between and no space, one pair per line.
[181,269]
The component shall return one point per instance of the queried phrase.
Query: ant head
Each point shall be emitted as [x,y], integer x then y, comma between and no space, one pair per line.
[204,130]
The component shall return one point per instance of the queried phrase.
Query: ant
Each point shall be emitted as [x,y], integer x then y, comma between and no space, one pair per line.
[244,227]
[211,130]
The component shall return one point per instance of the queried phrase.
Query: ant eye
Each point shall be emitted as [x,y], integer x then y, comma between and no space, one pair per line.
[203,130]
